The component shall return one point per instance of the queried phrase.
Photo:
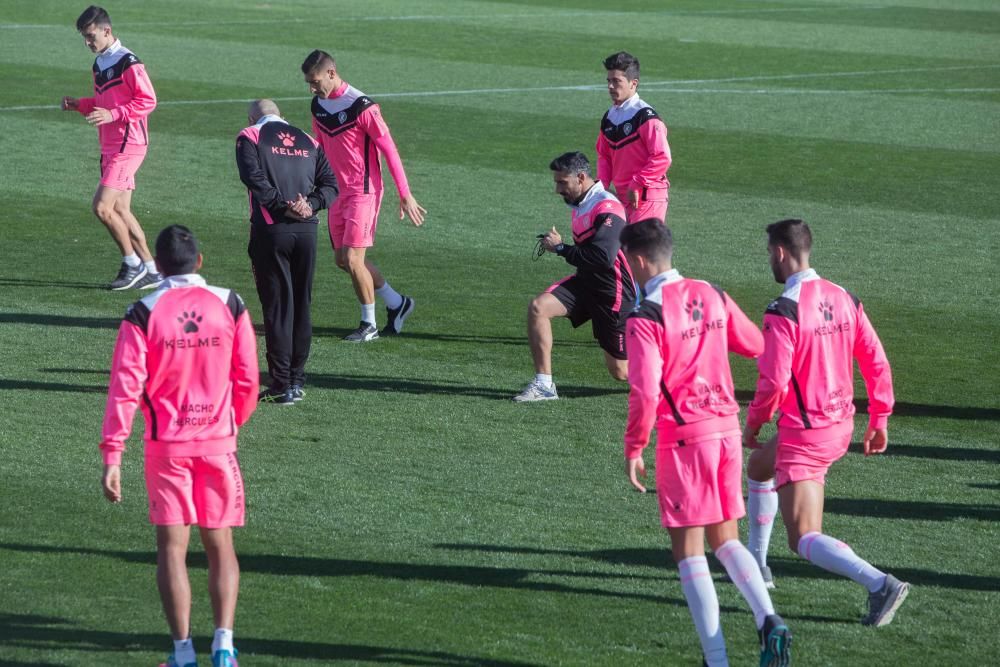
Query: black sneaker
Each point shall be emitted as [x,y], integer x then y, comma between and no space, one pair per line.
[365,332]
[151,280]
[276,395]
[128,276]
[298,393]
[396,316]
[775,642]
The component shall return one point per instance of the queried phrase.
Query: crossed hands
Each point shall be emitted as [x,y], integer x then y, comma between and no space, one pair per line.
[299,208]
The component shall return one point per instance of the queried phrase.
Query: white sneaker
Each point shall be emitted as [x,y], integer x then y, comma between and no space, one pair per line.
[536,391]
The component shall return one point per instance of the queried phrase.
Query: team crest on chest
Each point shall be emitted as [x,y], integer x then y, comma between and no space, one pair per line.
[342,116]
[627,128]
[108,73]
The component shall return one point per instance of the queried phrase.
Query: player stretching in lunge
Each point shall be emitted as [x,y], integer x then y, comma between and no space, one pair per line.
[602,289]
[123,98]
[349,127]
[188,351]
[813,333]
[680,382]
[632,150]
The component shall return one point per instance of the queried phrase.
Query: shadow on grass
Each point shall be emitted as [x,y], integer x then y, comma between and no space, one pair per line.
[468,575]
[910,509]
[936,452]
[48,633]
[783,566]
[29,282]
[989,487]
[62,320]
[418,386]
[522,341]
[53,386]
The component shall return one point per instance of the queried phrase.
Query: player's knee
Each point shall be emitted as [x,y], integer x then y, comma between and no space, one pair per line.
[535,309]
[103,210]
[342,263]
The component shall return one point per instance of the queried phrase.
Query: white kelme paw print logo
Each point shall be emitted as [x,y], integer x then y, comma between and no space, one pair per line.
[694,309]
[190,321]
[286,139]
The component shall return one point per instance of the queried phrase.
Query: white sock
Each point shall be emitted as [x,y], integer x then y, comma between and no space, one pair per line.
[392,298]
[543,379]
[835,556]
[745,573]
[151,265]
[184,651]
[762,505]
[223,640]
[132,260]
[368,313]
[703,603]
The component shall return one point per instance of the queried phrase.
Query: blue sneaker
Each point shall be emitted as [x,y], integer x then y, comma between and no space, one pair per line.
[172,662]
[775,643]
[224,658]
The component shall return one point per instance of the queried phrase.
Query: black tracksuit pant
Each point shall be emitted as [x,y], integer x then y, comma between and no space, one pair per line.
[284,259]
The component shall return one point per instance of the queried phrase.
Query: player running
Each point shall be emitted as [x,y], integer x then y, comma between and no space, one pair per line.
[602,289]
[632,150]
[680,382]
[189,353]
[813,333]
[350,128]
[123,98]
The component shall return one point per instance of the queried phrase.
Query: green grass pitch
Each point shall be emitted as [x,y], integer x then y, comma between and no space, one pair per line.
[407,512]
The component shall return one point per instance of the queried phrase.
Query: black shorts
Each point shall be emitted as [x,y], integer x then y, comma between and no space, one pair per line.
[583,304]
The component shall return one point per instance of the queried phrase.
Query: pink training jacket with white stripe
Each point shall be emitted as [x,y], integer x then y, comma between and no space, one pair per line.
[812,334]
[632,151]
[678,342]
[350,128]
[121,86]
[188,353]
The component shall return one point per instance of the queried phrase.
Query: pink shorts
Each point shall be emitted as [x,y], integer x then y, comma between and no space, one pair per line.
[202,490]
[700,484]
[647,209]
[352,220]
[798,462]
[118,170]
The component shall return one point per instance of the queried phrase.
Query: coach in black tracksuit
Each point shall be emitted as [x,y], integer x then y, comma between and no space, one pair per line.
[289,180]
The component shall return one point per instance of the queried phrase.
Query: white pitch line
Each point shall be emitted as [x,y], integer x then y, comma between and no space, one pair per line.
[467,17]
[596,87]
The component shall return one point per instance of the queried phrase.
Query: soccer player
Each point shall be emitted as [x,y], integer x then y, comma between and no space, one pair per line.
[680,382]
[813,333]
[632,150]
[288,179]
[188,352]
[123,98]
[601,290]
[350,128]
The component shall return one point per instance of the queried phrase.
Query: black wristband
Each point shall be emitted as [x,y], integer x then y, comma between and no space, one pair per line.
[560,248]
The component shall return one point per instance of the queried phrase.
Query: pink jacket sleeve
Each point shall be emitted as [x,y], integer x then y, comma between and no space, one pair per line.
[128,380]
[244,373]
[143,96]
[874,367]
[85,105]
[775,368]
[645,370]
[603,161]
[745,338]
[654,136]
[374,126]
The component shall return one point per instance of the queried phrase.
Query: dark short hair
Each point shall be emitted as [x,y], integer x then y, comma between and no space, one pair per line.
[92,14]
[792,234]
[624,61]
[315,60]
[176,250]
[573,162]
[650,238]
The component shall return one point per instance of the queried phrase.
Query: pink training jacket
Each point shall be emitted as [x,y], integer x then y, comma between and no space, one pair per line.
[351,131]
[632,151]
[812,334]
[189,353]
[678,341]
[121,86]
